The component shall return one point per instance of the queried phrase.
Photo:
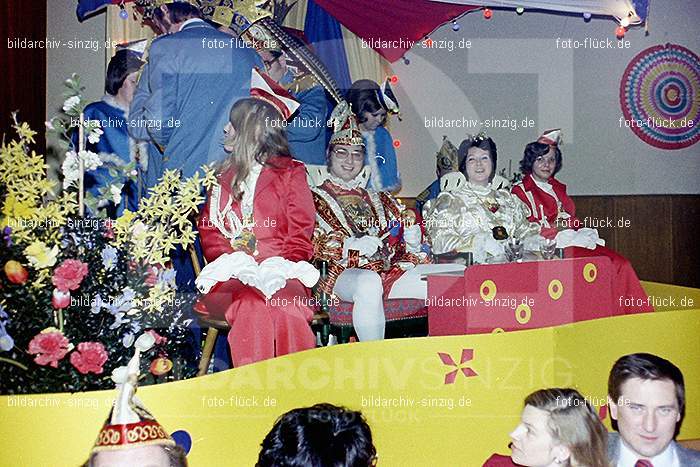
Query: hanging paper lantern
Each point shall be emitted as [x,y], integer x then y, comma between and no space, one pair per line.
[620,32]
[520,10]
[394,79]
[406,61]
[397,143]
[123,14]
[488,13]
[455,26]
[587,16]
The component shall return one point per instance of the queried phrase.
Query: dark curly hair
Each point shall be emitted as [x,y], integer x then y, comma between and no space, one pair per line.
[535,150]
[178,12]
[363,96]
[121,65]
[482,142]
[323,435]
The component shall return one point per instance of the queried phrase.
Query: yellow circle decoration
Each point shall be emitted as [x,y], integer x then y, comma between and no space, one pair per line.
[497,331]
[487,290]
[523,313]
[555,289]
[590,272]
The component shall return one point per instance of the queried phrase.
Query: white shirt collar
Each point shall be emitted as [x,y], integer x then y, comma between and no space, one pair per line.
[667,458]
[190,21]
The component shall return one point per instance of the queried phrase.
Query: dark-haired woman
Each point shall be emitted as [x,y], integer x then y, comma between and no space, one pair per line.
[471,215]
[371,103]
[256,230]
[550,206]
[115,145]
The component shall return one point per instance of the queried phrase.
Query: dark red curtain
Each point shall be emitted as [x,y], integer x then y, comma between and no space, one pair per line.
[23,82]
[400,21]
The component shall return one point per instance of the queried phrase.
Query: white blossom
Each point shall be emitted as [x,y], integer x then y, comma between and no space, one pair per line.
[116,192]
[91,161]
[70,103]
[70,169]
[94,135]
[71,166]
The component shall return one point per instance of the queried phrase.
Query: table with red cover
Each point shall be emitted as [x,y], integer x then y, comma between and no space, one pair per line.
[515,296]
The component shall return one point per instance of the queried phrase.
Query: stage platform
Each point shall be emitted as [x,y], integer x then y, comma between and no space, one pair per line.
[441,401]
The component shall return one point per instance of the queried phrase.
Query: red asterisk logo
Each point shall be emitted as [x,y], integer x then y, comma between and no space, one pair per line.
[467,355]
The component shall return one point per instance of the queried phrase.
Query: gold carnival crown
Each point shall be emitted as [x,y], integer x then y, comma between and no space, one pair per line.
[345,127]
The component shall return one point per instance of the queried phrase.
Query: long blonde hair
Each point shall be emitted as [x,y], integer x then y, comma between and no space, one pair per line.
[259,133]
[574,423]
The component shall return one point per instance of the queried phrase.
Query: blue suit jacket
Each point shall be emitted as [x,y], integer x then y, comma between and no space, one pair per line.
[308,132]
[184,96]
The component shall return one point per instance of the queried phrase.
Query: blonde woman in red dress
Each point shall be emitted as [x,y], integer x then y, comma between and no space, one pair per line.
[256,230]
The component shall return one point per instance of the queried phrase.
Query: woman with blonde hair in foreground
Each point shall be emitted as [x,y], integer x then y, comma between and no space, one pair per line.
[558,427]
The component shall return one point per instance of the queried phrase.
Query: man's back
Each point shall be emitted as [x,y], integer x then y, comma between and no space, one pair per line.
[183,99]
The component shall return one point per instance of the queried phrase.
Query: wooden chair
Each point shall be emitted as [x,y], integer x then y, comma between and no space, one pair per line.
[213,326]
[319,324]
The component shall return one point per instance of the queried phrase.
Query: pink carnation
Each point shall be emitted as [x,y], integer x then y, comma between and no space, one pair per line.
[69,275]
[89,357]
[49,347]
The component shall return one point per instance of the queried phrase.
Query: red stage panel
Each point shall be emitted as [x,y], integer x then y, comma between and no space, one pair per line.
[515,296]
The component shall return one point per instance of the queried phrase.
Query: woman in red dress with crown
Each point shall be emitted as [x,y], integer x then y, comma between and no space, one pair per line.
[550,206]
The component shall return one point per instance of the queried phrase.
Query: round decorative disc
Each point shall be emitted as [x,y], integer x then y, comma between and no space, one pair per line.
[660,96]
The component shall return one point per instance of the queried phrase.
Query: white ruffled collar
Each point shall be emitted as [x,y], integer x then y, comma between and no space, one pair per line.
[360,181]
[479,189]
[248,189]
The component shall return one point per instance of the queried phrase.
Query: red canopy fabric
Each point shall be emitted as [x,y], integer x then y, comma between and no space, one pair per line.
[391,27]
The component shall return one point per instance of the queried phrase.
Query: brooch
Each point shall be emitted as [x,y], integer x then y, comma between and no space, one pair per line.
[499,232]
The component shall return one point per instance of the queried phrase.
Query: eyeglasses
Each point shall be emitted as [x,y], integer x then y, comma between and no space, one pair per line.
[342,154]
[268,63]
[545,160]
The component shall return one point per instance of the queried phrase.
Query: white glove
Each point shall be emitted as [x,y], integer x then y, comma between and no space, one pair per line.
[367,245]
[412,236]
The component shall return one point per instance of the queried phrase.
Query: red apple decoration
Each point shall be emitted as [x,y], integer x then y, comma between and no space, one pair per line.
[161,366]
[16,273]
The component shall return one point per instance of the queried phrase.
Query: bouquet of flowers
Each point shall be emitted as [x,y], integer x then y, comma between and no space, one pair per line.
[76,292]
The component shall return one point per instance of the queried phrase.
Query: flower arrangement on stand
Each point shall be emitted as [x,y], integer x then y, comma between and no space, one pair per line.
[77,292]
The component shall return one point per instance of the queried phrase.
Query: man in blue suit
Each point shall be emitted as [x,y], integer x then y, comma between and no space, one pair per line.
[307,132]
[194,75]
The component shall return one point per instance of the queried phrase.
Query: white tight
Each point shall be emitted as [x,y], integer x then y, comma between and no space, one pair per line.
[364,288]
